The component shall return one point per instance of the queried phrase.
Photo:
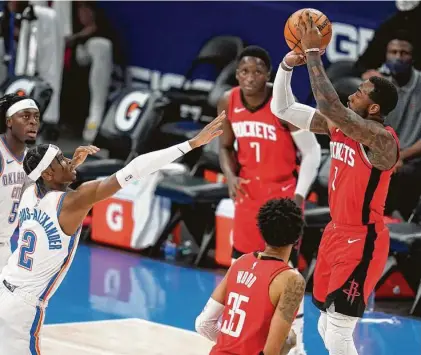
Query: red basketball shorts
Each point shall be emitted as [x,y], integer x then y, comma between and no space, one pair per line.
[246,235]
[350,262]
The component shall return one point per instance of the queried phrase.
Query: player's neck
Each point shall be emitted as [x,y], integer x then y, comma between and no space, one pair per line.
[46,187]
[280,252]
[257,99]
[16,147]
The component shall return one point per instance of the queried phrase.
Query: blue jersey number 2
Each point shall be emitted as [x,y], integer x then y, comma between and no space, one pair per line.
[29,240]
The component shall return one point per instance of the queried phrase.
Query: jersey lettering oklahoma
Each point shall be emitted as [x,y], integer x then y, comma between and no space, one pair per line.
[357,190]
[12,180]
[265,146]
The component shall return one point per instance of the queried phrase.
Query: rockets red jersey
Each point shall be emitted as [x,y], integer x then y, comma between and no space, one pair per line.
[248,308]
[357,190]
[266,150]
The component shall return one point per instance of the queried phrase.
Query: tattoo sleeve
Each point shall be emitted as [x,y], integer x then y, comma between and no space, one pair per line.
[291,297]
[382,145]
[319,124]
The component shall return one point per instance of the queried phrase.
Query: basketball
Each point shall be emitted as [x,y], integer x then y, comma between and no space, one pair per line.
[292,36]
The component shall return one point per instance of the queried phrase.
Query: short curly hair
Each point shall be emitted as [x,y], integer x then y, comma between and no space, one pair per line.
[280,222]
[257,52]
[384,94]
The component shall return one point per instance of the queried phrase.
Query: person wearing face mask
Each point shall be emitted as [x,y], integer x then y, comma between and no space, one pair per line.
[407,18]
[405,187]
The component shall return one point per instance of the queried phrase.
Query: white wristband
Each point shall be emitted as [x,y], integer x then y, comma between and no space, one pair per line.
[286,65]
[312,50]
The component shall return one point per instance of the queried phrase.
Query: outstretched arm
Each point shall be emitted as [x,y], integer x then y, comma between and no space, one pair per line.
[77,203]
[383,147]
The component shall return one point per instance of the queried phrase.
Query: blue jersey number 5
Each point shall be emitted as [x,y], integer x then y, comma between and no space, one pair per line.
[14,212]
[29,240]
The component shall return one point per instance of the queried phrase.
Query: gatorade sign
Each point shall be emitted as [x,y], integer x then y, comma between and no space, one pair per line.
[129,110]
[114,217]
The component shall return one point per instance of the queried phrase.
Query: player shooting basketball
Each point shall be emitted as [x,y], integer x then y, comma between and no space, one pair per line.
[355,245]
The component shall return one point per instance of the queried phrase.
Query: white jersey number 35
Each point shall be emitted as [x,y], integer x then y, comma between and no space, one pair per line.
[234,325]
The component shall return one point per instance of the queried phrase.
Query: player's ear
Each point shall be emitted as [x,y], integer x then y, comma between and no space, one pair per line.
[8,122]
[47,175]
[236,74]
[374,109]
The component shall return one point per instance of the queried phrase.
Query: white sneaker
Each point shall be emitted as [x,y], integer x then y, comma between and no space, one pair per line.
[90,132]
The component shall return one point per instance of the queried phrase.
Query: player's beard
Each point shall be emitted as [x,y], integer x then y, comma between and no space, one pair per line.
[30,141]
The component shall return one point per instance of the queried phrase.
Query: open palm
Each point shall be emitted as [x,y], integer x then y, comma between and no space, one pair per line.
[211,131]
[81,153]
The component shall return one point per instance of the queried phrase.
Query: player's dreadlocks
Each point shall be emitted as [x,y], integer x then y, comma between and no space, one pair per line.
[5,103]
[280,222]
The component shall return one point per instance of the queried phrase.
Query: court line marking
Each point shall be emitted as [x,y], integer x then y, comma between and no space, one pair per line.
[138,320]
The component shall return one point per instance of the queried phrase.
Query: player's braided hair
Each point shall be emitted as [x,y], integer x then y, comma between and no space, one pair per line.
[32,159]
[5,102]
[280,222]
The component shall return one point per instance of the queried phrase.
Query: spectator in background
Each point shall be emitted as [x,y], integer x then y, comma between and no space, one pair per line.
[408,18]
[92,45]
[405,186]
[47,62]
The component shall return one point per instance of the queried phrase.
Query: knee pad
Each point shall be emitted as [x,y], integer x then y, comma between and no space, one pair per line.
[339,333]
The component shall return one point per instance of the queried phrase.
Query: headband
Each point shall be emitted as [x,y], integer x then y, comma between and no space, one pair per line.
[21,105]
[44,163]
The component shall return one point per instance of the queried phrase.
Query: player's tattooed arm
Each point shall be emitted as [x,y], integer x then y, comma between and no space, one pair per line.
[383,148]
[319,124]
[290,287]
[291,297]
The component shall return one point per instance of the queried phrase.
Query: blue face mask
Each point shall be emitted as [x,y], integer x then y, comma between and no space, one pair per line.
[398,66]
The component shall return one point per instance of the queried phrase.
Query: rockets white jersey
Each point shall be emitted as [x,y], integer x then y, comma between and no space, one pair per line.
[44,253]
[12,179]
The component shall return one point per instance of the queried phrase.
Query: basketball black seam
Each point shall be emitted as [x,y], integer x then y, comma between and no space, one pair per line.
[317,19]
[289,28]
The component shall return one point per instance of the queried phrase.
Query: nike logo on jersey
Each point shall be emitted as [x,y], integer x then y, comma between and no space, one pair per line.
[284,188]
[9,161]
[238,110]
[353,241]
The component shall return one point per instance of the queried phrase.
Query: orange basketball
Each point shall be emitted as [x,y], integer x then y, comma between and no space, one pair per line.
[292,36]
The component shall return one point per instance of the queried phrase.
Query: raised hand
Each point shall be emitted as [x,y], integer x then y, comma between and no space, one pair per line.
[294,59]
[308,31]
[211,131]
[81,153]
